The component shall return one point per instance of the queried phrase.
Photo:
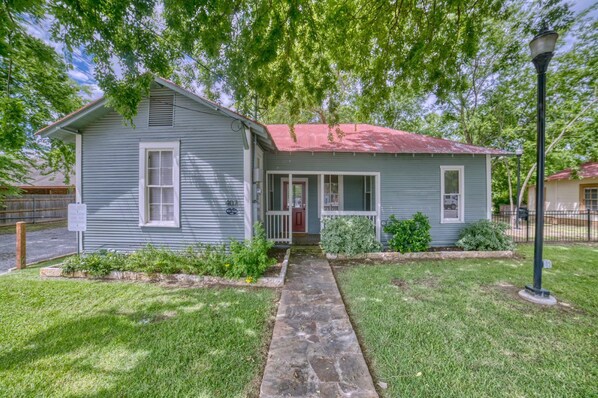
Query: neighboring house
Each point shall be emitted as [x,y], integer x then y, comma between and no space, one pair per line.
[43,197]
[43,182]
[566,191]
[192,170]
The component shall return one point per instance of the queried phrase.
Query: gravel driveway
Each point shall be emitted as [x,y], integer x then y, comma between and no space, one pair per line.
[41,245]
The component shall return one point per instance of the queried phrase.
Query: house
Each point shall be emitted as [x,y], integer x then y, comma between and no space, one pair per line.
[45,182]
[566,191]
[44,196]
[192,170]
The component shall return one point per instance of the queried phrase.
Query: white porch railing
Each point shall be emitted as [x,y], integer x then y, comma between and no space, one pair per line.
[277,226]
[342,213]
[371,215]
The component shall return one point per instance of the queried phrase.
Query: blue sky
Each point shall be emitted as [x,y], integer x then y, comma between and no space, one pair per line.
[83,69]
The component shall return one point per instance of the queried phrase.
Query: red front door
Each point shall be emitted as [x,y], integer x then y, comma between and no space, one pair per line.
[298,203]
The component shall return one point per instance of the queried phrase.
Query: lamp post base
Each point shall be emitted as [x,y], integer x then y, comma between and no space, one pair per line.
[529,295]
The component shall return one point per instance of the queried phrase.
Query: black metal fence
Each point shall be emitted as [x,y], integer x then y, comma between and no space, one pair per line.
[559,225]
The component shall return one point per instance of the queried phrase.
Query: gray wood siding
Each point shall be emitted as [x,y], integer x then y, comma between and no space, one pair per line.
[408,183]
[211,172]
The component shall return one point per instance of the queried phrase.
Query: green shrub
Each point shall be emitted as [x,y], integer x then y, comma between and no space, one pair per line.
[348,235]
[100,263]
[485,235]
[412,235]
[205,259]
[250,258]
[156,260]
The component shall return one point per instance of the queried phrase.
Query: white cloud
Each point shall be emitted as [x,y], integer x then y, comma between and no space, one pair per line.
[94,93]
[79,76]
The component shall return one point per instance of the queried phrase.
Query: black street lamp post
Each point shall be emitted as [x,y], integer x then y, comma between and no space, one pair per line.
[518,152]
[542,49]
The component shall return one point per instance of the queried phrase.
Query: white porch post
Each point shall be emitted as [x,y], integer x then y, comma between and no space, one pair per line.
[247,187]
[321,197]
[290,207]
[378,208]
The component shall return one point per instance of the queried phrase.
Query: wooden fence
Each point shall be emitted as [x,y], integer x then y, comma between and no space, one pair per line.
[35,208]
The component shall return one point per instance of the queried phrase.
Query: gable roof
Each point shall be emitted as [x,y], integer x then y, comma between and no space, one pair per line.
[68,125]
[586,170]
[366,138]
[39,178]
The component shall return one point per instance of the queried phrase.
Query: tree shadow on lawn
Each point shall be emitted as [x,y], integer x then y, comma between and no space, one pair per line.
[175,345]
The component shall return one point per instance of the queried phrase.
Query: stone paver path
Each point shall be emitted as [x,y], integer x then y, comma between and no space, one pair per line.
[314,351]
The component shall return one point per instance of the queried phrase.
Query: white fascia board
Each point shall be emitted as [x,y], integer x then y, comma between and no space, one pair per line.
[64,124]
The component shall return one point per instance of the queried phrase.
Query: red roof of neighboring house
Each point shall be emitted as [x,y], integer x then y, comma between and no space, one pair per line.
[365,138]
[586,170]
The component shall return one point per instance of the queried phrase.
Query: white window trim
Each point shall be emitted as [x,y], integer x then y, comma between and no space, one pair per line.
[341,197]
[461,170]
[173,146]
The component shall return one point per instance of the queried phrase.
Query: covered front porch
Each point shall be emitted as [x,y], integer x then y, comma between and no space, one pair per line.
[298,201]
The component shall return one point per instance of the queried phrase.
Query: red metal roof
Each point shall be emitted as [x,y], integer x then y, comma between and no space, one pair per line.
[365,138]
[586,170]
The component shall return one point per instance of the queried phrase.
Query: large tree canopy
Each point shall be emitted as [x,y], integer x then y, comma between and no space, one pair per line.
[34,90]
[452,68]
[291,51]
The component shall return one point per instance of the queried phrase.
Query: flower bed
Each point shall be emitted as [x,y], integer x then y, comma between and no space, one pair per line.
[437,255]
[174,278]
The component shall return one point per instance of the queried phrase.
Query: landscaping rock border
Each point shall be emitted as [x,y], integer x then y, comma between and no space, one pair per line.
[441,255]
[183,279]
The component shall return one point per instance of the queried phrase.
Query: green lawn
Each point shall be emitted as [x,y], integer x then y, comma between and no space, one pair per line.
[83,338]
[458,328]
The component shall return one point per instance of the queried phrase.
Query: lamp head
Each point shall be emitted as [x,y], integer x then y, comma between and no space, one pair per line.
[519,151]
[543,43]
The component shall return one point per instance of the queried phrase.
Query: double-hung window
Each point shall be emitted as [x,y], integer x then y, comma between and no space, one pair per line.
[590,197]
[333,192]
[452,193]
[159,184]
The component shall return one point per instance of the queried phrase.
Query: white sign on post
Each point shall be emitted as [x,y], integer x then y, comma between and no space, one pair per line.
[77,215]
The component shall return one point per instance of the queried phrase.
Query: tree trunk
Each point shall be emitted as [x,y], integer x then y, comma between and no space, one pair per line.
[510,184]
[552,145]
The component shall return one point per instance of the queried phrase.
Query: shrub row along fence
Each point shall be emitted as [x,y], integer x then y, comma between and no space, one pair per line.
[35,208]
[559,226]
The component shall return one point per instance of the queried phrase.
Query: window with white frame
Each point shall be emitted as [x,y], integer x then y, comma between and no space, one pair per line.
[590,198]
[332,192]
[159,184]
[451,181]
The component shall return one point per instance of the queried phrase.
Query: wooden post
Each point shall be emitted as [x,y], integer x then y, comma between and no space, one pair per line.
[21,245]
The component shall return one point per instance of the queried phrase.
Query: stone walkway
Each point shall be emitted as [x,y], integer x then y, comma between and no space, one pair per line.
[314,351]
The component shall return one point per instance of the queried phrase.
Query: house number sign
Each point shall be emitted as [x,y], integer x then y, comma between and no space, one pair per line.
[231,211]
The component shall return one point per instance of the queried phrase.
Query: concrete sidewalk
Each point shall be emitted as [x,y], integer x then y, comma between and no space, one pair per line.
[314,351]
